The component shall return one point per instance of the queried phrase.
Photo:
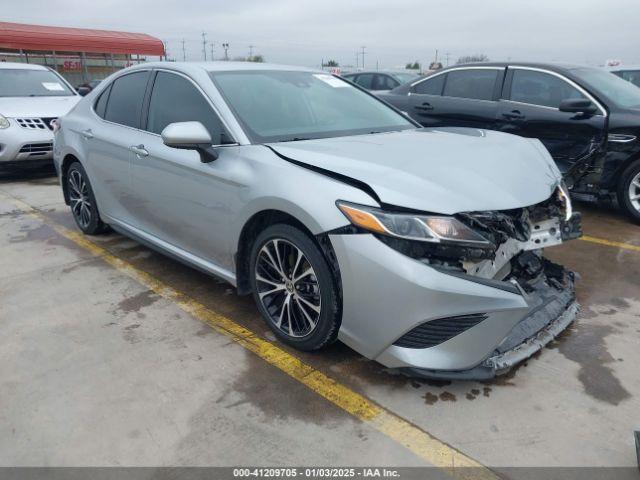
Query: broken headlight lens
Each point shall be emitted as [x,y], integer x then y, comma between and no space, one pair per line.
[425,228]
[563,196]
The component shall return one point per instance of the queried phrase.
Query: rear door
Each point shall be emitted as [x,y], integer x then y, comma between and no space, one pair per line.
[108,137]
[465,97]
[179,199]
[530,108]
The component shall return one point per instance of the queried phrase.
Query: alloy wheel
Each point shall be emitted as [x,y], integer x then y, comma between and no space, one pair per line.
[634,192]
[79,199]
[288,288]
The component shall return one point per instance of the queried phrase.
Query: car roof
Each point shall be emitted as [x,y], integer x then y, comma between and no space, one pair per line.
[223,66]
[382,71]
[21,66]
[558,67]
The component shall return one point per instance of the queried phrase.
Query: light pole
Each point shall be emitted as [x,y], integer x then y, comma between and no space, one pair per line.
[204,46]
[226,51]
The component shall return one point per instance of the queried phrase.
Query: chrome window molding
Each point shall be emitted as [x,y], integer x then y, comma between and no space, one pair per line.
[562,77]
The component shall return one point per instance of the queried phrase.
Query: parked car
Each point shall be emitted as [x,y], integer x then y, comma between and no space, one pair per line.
[628,73]
[31,98]
[587,118]
[420,249]
[85,88]
[380,80]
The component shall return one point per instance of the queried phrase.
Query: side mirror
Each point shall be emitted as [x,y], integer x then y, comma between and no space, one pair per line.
[82,91]
[190,136]
[577,105]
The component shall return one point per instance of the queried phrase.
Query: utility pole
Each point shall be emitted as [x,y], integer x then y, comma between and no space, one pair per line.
[362,48]
[447,55]
[204,46]
[226,51]
[251,47]
[212,44]
[357,59]
[184,53]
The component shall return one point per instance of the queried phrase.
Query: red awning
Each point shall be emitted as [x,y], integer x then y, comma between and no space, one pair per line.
[18,36]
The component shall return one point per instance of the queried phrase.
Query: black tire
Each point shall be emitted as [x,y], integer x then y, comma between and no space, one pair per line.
[82,200]
[624,184]
[303,294]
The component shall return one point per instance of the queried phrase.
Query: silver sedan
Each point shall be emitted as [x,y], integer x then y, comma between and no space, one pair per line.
[421,249]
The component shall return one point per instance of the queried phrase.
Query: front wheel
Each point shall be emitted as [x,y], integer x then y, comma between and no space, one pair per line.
[294,288]
[629,191]
[82,201]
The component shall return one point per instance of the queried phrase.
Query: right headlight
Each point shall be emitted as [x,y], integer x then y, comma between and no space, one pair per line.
[565,199]
[4,123]
[425,228]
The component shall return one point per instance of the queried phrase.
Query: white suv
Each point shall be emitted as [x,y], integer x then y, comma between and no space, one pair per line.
[31,97]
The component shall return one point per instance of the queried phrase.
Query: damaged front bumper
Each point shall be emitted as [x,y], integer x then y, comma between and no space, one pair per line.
[448,317]
[552,309]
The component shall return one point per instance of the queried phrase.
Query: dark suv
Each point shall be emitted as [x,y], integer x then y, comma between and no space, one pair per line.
[588,119]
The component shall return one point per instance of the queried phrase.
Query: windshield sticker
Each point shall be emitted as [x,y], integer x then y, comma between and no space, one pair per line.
[53,86]
[331,80]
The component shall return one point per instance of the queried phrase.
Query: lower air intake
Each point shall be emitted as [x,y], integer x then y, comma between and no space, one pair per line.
[435,332]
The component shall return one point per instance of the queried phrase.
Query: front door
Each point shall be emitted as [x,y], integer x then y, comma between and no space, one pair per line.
[178,198]
[530,108]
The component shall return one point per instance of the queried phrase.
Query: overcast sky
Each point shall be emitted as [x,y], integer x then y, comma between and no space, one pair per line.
[393,31]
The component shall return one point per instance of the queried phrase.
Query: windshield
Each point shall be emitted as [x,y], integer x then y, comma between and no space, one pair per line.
[31,83]
[620,92]
[276,106]
[405,77]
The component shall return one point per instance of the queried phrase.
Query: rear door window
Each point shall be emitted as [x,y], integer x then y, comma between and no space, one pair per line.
[125,100]
[477,83]
[101,105]
[430,86]
[540,88]
[176,99]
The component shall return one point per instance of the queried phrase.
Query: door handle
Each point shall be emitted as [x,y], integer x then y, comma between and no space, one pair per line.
[139,150]
[88,134]
[514,115]
[426,106]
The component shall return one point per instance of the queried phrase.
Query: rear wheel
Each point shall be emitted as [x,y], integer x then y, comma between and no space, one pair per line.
[82,201]
[294,288]
[629,190]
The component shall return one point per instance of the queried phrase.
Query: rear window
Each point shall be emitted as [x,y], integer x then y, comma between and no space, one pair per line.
[32,83]
[477,84]
[125,100]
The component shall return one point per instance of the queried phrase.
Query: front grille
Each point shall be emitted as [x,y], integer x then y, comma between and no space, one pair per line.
[35,123]
[435,332]
[35,149]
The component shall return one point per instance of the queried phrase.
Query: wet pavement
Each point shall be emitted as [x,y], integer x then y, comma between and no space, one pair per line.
[96,369]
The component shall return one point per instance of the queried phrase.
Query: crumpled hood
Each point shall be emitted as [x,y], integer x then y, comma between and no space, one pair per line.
[446,170]
[25,107]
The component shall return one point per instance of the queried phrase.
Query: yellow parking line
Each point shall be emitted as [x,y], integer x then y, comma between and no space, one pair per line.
[418,441]
[610,243]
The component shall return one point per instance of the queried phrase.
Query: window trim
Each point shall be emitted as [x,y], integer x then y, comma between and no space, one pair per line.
[603,111]
[109,85]
[147,102]
[454,69]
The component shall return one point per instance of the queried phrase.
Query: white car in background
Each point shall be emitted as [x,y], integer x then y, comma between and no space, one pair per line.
[31,97]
